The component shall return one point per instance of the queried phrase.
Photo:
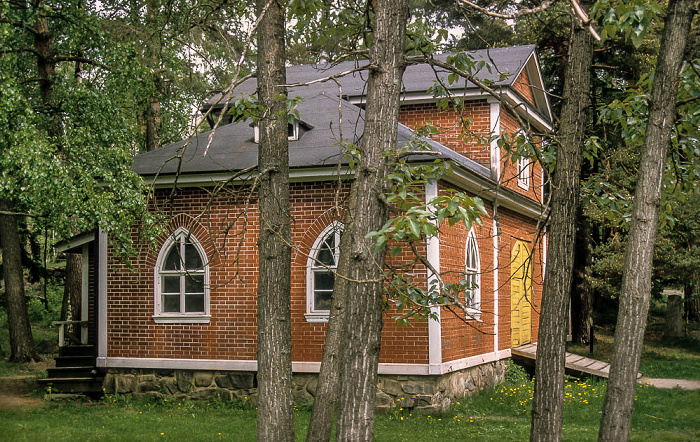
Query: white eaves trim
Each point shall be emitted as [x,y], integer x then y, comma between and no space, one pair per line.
[296,175]
[506,93]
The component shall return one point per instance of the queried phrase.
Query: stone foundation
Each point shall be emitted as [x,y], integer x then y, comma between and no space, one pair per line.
[427,393]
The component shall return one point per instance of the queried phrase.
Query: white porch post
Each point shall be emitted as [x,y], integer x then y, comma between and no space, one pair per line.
[101,303]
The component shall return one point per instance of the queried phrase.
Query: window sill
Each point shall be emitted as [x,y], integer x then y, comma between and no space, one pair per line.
[181,319]
[316,317]
[473,315]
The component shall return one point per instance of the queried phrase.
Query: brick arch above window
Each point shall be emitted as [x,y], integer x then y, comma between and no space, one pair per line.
[181,281]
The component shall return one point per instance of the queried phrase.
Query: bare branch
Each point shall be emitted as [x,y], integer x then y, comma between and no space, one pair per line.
[520,13]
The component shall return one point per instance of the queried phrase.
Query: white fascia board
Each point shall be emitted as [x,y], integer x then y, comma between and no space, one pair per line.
[422,97]
[538,83]
[75,242]
[490,191]
[300,175]
[528,111]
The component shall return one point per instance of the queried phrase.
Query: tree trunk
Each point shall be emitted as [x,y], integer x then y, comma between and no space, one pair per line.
[359,261]
[582,292]
[636,275]
[326,399]
[275,402]
[153,114]
[21,341]
[72,294]
[692,300]
[548,400]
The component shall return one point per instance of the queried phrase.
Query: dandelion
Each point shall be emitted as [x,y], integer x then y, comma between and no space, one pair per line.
[162,434]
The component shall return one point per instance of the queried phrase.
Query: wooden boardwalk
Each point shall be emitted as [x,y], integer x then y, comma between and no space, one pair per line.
[575,365]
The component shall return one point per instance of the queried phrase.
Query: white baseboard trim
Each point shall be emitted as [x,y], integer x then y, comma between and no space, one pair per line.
[297,367]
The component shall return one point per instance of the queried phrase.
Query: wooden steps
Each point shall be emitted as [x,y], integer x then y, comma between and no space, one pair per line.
[75,372]
[576,365]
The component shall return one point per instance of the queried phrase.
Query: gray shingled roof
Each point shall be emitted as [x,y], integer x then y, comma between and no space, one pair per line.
[233,147]
[502,67]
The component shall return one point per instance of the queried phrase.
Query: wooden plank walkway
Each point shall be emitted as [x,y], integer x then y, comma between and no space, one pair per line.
[575,365]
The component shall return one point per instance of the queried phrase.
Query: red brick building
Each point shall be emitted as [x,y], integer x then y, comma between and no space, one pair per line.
[181,318]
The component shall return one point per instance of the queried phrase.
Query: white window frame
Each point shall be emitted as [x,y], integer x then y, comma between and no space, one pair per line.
[524,172]
[159,316]
[294,136]
[471,245]
[313,266]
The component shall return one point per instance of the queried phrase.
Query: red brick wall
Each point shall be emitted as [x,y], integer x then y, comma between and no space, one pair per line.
[231,334]
[460,339]
[509,170]
[523,86]
[460,129]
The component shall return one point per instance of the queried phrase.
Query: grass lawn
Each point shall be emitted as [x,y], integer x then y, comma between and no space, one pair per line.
[661,358]
[502,414]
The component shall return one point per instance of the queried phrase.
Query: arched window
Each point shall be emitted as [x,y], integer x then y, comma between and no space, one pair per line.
[320,277]
[181,281]
[472,274]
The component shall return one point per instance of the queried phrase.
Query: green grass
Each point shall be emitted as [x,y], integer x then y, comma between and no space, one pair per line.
[661,358]
[501,414]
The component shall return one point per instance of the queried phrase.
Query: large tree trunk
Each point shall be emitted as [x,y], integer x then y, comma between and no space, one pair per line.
[582,292]
[153,113]
[636,276]
[21,342]
[360,262]
[326,399]
[275,401]
[548,400]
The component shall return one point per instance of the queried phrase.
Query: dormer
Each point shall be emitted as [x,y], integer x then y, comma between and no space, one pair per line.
[295,129]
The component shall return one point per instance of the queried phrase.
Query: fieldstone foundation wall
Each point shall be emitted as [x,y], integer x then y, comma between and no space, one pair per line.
[428,393]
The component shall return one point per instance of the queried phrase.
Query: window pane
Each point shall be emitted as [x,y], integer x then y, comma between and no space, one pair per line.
[171,303]
[171,284]
[194,283]
[325,255]
[322,299]
[194,303]
[172,261]
[192,258]
[324,281]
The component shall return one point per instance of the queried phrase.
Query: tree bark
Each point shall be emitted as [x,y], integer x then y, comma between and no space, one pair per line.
[153,114]
[326,399]
[359,261]
[636,276]
[21,342]
[275,420]
[582,292]
[548,400]
[692,299]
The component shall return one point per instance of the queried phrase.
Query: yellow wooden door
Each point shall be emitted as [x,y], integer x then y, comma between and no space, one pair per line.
[520,295]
